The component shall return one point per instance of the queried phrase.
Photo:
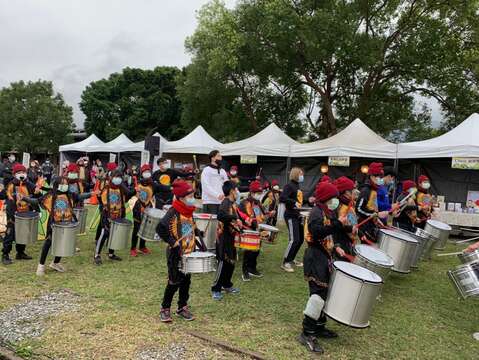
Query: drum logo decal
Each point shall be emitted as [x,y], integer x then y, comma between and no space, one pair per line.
[351,217]
[114,198]
[61,205]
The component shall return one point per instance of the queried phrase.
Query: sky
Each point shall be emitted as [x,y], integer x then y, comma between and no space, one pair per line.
[75,42]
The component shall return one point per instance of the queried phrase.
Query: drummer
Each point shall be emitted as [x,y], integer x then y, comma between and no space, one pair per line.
[177,228]
[75,185]
[17,188]
[233,175]
[112,199]
[270,202]
[407,217]
[322,228]
[347,237]
[145,190]
[424,201]
[229,226]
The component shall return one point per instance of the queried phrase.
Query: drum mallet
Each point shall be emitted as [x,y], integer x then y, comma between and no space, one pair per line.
[451,254]
[467,240]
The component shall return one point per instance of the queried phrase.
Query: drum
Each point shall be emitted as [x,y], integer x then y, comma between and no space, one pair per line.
[149,222]
[352,294]
[429,243]
[64,237]
[373,259]
[272,232]
[81,215]
[198,263]
[202,221]
[468,258]
[440,230]
[120,234]
[26,227]
[400,247]
[419,249]
[248,240]
[465,279]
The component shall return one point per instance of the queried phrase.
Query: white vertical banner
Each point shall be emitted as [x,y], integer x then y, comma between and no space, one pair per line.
[26,160]
[112,157]
[145,157]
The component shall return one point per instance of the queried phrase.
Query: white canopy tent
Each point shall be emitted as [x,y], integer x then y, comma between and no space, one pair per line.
[356,140]
[196,142]
[271,141]
[83,146]
[117,145]
[462,141]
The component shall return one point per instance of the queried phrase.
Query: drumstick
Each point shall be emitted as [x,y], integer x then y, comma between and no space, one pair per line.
[471,230]
[467,240]
[451,254]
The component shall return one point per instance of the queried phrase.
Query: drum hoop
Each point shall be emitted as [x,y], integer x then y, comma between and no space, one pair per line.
[389,266]
[361,279]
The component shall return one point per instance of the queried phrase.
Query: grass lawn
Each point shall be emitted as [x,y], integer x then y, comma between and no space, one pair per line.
[420,316]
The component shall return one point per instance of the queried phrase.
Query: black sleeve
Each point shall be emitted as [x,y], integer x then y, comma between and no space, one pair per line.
[159,188]
[163,228]
[181,174]
[287,197]
[128,192]
[317,228]
[224,213]
[3,194]
[362,204]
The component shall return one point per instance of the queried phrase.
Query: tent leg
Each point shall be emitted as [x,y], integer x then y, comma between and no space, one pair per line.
[288,169]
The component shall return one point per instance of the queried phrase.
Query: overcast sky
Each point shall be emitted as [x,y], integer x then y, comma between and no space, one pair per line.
[74,42]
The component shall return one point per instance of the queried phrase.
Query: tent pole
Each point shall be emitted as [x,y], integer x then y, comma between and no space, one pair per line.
[60,163]
[396,170]
[288,169]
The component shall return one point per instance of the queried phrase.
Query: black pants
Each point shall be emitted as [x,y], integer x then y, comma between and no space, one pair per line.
[102,236]
[45,249]
[211,209]
[134,236]
[224,272]
[296,238]
[250,260]
[8,240]
[176,281]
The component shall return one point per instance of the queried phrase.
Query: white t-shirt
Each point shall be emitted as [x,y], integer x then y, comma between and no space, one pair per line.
[212,184]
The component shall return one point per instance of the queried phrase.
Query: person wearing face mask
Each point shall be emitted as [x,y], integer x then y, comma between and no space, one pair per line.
[322,229]
[407,217]
[76,187]
[270,202]
[233,175]
[113,197]
[385,191]
[13,194]
[292,197]
[178,229]
[32,173]
[367,204]
[212,179]
[424,200]
[47,170]
[228,228]
[145,191]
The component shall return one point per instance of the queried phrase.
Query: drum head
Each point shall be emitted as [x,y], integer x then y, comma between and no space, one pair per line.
[375,255]
[439,225]
[204,216]
[122,221]
[357,272]
[65,224]
[251,232]
[200,254]
[156,213]
[267,227]
[27,214]
[399,235]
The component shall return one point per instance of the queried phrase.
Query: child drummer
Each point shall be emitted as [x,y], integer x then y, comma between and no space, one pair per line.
[347,238]
[178,229]
[229,226]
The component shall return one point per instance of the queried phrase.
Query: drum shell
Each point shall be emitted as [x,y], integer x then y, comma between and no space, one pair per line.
[350,300]
[441,234]
[381,270]
[465,279]
[273,234]
[198,265]
[210,234]
[26,228]
[120,234]
[401,251]
[248,240]
[429,243]
[81,215]
[149,224]
[64,236]
[469,258]
[416,257]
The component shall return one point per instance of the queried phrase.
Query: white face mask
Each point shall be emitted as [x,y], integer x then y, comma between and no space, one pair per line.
[116,180]
[426,185]
[258,196]
[276,187]
[11,158]
[146,175]
[233,173]
[190,201]
[333,204]
[164,166]
[20,176]
[72,176]
[63,188]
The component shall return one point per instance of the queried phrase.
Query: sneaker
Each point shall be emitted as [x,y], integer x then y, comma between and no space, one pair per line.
[287,267]
[185,313]
[57,267]
[476,336]
[6,260]
[326,334]
[23,256]
[133,253]
[311,343]
[255,273]
[98,260]
[297,263]
[114,257]
[145,251]
[77,249]
[165,316]
[246,276]
[216,295]
[232,290]
[40,270]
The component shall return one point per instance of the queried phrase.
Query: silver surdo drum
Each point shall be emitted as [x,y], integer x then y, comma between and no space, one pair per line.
[81,214]
[208,223]
[352,294]
[373,259]
[64,237]
[26,227]
[149,222]
[440,230]
[465,279]
[273,232]
[429,243]
[469,258]
[400,247]
[421,242]
[198,263]
[120,234]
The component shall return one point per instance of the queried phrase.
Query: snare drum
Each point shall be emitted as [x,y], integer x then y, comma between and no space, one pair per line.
[248,240]
[465,279]
[198,263]
[149,222]
[272,232]
[208,223]
[469,258]
[373,259]
[400,247]
[64,237]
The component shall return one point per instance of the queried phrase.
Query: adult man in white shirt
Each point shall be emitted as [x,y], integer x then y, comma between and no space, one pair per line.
[212,179]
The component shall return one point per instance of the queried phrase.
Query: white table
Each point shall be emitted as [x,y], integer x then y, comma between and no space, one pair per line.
[457,219]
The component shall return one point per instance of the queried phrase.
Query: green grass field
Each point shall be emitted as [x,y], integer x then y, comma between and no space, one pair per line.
[420,316]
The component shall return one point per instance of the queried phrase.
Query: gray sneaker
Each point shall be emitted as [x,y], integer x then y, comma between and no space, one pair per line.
[287,267]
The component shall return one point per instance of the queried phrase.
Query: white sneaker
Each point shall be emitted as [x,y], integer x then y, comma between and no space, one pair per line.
[40,270]
[57,267]
[287,267]
[476,336]
[298,263]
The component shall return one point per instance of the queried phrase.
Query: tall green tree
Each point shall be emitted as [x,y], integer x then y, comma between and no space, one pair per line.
[136,102]
[33,118]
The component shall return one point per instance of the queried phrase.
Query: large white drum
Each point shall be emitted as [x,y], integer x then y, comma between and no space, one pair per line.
[120,234]
[208,223]
[440,230]
[26,227]
[373,259]
[64,237]
[352,294]
[469,258]
[400,247]
[149,222]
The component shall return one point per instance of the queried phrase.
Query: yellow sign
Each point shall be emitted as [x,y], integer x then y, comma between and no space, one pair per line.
[465,163]
[338,161]
[249,159]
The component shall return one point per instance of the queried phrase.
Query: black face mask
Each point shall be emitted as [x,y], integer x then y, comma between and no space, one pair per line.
[218,162]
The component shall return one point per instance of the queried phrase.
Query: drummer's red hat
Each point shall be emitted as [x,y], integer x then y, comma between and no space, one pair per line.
[145,167]
[274,182]
[18,168]
[375,169]
[343,184]
[325,178]
[111,166]
[422,178]
[408,184]
[255,186]
[181,188]
[72,167]
[326,191]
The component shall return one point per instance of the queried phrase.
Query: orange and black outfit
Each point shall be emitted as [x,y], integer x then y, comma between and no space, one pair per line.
[345,239]
[424,202]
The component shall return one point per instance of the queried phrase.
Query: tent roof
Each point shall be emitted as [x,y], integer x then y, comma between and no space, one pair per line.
[84,145]
[462,141]
[356,140]
[196,142]
[271,141]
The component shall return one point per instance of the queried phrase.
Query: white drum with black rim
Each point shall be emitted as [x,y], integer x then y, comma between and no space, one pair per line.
[149,222]
[440,230]
[465,279]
